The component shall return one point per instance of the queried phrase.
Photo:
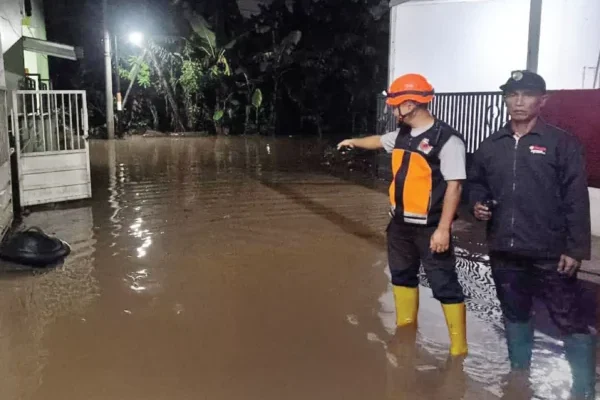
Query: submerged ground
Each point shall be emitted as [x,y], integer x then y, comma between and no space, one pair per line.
[236,268]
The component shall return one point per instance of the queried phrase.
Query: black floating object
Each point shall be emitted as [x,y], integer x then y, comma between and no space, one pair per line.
[34,248]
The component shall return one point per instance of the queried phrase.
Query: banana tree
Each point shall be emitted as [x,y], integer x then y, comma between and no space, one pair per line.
[161,61]
[276,63]
[211,65]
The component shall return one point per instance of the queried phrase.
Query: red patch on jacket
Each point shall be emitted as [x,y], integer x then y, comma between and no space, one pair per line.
[537,150]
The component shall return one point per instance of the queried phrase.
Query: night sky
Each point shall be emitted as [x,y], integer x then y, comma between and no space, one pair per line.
[79,23]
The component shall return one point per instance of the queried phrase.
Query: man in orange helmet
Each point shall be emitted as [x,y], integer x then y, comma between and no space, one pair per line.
[428,166]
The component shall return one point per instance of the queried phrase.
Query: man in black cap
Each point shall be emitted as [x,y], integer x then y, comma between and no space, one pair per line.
[528,181]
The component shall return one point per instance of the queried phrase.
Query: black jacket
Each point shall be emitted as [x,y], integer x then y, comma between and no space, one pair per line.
[540,184]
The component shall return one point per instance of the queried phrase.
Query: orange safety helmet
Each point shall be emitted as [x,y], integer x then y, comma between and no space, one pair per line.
[410,87]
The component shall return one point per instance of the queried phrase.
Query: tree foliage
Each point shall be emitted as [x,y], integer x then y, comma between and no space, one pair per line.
[312,67]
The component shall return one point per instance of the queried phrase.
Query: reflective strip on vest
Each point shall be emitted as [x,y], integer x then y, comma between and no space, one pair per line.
[412,178]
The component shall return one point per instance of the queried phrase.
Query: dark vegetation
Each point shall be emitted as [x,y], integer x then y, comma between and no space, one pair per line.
[299,67]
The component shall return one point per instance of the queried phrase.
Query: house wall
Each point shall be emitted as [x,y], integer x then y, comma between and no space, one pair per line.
[36,63]
[461,46]
[570,43]
[10,33]
[10,22]
[2,73]
[577,112]
[595,210]
[12,27]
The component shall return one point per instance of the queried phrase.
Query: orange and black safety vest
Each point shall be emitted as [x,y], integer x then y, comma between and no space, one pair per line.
[418,187]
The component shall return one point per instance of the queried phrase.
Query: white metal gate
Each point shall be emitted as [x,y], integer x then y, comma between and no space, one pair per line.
[6,208]
[51,130]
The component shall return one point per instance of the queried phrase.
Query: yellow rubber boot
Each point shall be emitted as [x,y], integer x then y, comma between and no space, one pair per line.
[407,305]
[456,319]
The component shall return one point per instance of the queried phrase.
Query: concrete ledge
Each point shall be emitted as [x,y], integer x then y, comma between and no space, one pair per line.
[595,210]
[394,3]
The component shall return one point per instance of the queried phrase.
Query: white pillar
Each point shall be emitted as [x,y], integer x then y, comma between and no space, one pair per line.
[110,118]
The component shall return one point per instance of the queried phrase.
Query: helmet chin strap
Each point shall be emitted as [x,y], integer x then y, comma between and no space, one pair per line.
[402,117]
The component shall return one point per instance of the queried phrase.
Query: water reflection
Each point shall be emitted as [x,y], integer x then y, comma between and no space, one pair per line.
[143,234]
[550,377]
[228,268]
[417,372]
[32,301]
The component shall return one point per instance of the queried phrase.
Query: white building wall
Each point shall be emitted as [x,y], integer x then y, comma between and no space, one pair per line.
[595,210]
[472,45]
[2,73]
[10,32]
[12,28]
[36,63]
[569,43]
[459,45]
[10,22]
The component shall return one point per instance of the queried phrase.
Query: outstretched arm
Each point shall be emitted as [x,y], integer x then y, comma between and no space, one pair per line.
[367,143]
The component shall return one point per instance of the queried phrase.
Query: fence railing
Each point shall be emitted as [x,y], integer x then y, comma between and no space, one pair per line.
[48,121]
[475,115]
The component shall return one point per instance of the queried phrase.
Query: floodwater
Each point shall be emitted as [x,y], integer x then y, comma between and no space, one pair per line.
[230,268]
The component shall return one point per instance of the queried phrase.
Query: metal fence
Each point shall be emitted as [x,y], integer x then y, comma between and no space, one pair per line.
[475,115]
[49,120]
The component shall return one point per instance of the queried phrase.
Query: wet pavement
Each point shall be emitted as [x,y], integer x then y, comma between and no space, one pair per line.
[231,268]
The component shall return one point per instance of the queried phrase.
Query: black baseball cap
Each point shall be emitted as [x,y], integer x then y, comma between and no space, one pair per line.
[524,80]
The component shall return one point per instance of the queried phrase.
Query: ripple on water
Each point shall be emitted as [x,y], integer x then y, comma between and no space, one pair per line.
[199,263]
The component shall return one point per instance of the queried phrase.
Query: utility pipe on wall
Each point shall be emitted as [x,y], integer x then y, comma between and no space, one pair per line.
[533,43]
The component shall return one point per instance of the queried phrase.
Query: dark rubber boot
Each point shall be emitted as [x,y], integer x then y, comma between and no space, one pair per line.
[581,354]
[519,339]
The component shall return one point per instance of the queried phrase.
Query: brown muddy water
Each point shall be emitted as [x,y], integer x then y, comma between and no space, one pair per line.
[230,268]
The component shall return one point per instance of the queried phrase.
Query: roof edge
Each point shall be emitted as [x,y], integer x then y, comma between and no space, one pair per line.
[394,3]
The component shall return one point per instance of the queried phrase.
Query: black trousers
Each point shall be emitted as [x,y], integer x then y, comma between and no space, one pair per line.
[520,279]
[408,247]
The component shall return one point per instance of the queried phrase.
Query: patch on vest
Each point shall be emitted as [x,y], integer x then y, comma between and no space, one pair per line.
[425,147]
[537,150]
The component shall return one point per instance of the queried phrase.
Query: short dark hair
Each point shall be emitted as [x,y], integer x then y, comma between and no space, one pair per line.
[417,104]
